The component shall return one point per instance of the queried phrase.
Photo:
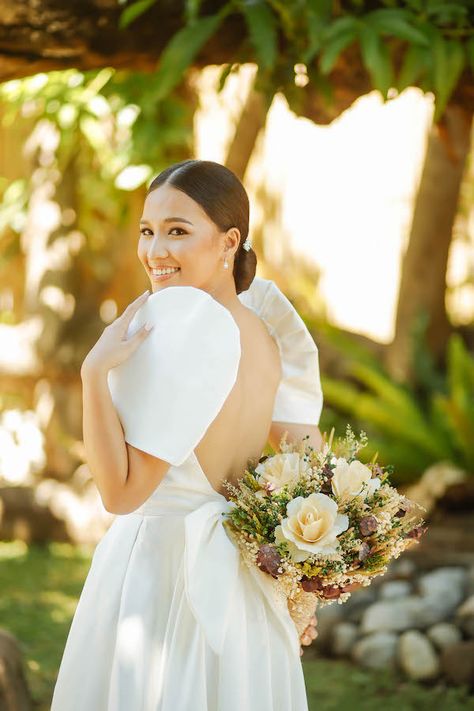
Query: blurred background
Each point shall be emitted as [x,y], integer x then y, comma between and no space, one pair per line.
[351,127]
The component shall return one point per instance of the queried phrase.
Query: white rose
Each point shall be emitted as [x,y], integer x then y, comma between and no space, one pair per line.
[281,469]
[354,480]
[312,526]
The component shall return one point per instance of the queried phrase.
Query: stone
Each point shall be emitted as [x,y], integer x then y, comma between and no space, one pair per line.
[14,691]
[343,638]
[465,616]
[457,663]
[417,656]
[395,588]
[394,615]
[358,603]
[328,616]
[449,580]
[376,651]
[403,568]
[442,591]
[470,580]
[443,634]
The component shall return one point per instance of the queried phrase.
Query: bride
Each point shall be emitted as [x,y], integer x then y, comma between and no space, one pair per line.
[180,393]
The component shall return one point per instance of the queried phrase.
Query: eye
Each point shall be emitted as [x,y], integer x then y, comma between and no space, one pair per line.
[144,229]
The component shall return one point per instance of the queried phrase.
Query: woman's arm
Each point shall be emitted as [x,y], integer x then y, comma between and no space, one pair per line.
[295,431]
[124,475]
[105,446]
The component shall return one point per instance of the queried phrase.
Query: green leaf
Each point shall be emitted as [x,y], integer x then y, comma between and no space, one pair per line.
[181,50]
[416,63]
[316,27]
[321,8]
[226,71]
[470,52]
[133,11]
[449,61]
[262,29]
[376,59]
[395,23]
[334,48]
[340,26]
[447,12]
[191,10]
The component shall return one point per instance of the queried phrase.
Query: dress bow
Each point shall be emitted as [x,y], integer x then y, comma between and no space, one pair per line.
[211,569]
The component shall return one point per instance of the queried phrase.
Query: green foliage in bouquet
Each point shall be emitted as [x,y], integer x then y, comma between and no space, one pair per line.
[320,521]
[413,426]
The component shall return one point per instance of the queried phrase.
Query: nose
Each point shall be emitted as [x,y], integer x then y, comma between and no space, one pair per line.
[157,248]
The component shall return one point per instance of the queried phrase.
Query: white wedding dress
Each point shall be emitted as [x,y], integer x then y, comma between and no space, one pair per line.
[170,618]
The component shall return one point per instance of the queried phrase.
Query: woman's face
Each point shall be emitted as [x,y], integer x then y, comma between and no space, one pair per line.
[176,233]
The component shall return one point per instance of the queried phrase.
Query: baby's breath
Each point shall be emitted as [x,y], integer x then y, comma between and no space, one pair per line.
[381,523]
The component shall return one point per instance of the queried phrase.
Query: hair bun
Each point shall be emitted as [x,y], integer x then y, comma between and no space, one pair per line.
[245,267]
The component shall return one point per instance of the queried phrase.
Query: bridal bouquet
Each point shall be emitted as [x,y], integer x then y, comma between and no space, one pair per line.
[318,521]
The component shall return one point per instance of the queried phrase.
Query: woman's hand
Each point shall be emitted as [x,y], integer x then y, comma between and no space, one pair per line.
[309,633]
[113,347]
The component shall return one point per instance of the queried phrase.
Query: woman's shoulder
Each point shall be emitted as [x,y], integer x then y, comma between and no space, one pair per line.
[255,332]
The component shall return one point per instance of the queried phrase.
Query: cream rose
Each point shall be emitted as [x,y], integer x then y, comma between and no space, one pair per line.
[312,526]
[354,480]
[280,469]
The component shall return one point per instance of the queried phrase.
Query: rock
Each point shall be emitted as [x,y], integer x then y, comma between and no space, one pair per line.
[442,591]
[395,588]
[449,580]
[376,651]
[470,580]
[403,568]
[457,662]
[443,634]
[465,616]
[343,638]
[417,656]
[327,616]
[14,692]
[358,603]
[394,615]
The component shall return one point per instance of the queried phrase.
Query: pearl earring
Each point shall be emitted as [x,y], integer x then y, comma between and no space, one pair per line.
[226,266]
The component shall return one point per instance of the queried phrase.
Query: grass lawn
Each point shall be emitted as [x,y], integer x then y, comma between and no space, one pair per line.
[39,591]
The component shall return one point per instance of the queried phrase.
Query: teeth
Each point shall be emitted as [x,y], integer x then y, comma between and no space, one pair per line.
[168,270]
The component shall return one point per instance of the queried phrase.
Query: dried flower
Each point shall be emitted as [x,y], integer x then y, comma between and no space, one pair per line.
[368,525]
[417,532]
[269,560]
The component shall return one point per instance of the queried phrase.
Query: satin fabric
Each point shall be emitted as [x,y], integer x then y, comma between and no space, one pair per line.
[171,619]
[175,383]
[299,397]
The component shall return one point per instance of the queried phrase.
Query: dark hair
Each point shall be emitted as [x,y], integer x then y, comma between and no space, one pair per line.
[225,201]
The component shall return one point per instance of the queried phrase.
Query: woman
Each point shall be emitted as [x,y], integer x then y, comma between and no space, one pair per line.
[169,618]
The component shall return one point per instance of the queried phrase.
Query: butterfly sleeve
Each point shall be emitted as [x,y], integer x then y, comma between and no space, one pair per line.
[172,387]
[299,397]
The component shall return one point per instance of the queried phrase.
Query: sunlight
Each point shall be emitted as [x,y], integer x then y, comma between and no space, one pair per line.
[344,191]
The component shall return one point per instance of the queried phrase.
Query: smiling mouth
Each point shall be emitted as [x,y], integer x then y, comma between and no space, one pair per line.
[164,272]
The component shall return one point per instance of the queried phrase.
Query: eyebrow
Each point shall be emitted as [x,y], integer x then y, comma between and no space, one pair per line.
[169,219]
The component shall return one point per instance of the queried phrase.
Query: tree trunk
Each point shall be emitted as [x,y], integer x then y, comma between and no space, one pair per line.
[423,278]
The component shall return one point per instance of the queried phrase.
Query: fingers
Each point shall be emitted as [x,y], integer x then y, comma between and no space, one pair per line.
[132,308]
[140,335]
[312,632]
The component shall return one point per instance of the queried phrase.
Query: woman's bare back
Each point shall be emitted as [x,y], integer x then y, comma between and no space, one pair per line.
[240,430]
